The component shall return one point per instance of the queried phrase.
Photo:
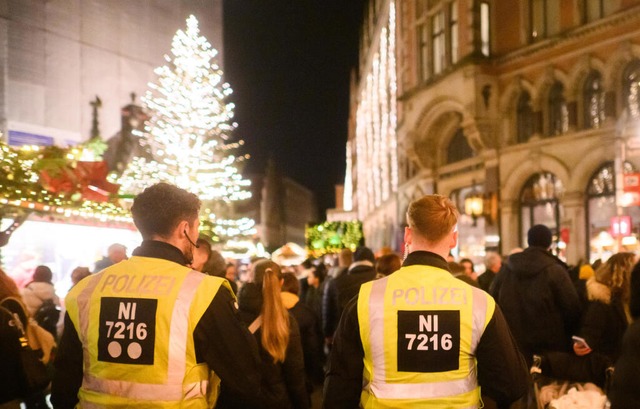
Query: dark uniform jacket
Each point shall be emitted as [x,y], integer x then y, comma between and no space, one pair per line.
[233,355]
[502,373]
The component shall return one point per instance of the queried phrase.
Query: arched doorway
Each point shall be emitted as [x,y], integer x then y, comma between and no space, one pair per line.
[601,210]
[540,204]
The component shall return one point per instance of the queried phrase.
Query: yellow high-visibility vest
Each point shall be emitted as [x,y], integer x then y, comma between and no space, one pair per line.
[420,328]
[135,320]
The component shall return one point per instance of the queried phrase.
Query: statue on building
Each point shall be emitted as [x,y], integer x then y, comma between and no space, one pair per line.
[125,145]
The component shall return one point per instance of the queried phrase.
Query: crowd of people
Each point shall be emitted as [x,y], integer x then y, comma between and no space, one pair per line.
[174,322]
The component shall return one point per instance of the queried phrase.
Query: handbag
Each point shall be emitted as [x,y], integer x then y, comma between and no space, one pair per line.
[34,377]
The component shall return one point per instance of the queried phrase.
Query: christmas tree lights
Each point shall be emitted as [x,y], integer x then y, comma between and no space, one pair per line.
[188,135]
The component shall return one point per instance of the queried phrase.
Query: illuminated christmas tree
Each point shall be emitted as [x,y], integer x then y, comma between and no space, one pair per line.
[189,131]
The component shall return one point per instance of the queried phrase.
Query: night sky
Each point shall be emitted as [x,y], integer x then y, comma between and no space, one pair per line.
[289,64]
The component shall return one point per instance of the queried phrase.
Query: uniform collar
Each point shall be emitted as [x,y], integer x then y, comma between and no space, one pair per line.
[160,249]
[426,258]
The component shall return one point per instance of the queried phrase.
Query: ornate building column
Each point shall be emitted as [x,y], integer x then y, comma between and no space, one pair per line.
[510,226]
[574,221]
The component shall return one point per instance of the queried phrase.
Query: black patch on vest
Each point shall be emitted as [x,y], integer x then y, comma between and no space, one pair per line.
[428,341]
[127,331]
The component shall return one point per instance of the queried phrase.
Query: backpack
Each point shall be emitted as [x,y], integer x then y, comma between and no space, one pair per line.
[33,376]
[47,316]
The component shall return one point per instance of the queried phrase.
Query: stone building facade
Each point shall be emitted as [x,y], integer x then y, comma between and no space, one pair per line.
[57,56]
[529,105]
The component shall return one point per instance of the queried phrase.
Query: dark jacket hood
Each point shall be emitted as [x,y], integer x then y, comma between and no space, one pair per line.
[532,261]
[250,299]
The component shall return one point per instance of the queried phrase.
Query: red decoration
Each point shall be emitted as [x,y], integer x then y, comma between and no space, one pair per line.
[92,177]
[58,181]
[88,178]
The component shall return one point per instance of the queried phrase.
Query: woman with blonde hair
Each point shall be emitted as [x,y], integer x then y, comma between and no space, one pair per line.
[605,319]
[278,336]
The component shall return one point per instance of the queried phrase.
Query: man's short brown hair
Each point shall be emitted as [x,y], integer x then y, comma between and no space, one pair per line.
[432,217]
[161,207]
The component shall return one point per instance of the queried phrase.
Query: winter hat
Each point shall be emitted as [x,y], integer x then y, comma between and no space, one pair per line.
[539,236]
[363,253]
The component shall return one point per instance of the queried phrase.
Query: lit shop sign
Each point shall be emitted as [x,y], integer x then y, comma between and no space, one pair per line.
[631,188]
[17,138]
[621,226]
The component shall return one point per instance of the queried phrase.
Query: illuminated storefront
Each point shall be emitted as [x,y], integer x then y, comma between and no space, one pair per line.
[608,231]
[62,247]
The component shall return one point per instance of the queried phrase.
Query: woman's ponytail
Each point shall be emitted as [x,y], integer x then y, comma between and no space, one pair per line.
[275,318]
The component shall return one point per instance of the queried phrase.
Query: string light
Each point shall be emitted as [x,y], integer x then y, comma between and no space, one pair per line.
[376,121]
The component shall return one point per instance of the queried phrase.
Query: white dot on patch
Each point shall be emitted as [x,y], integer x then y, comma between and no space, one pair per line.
[114,349]
[134,350]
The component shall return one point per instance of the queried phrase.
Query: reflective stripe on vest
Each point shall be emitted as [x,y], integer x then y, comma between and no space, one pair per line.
[378,385]
[173,389]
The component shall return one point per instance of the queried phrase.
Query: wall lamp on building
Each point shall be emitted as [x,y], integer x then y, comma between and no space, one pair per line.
[473,205]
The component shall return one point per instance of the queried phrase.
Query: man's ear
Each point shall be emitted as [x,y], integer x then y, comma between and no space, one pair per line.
[183,226]
[454,240]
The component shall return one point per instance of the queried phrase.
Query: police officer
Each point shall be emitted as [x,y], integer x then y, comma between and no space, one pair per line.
[151,332]
[420,337]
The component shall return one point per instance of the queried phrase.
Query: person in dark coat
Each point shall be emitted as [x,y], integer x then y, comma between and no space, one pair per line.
[493,263]
[282,369]
[625,388]
[10,369]
[310,330]
[537,297]
[343,288]
[458,271]
[316,280]
[603,325]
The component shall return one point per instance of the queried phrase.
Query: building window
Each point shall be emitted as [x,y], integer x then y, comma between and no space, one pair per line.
[525,118]
[593,100]
[437,24]
[485,34]
[631,88]
[453,31]
[439,54]
[597,9]
[422,27]
[540,204]
[593,10]
[544,18]
[459,148]
[601,208]
[558,113]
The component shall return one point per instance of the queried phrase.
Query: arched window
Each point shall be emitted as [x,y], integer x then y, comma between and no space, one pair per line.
[593,100]
[539,203]
[525,118]
[459,148]
[631,88]
[601,208]
[558,113]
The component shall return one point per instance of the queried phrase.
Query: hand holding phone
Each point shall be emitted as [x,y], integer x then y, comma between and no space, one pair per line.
[580,346]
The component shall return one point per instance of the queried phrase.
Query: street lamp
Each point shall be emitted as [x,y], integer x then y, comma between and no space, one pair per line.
[473,204]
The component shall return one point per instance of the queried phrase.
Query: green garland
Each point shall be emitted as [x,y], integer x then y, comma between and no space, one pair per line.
[331,237]
[20,184]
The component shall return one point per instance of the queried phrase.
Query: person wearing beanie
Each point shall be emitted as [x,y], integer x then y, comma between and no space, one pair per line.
[342,289]
[538,299]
